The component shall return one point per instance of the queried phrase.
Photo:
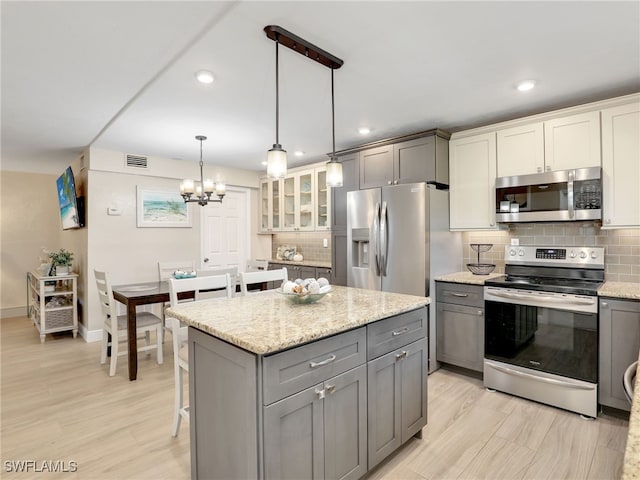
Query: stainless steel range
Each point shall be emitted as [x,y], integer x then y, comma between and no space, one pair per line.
[541,326]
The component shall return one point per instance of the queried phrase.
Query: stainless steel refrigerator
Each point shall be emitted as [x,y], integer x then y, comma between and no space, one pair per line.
[398,241]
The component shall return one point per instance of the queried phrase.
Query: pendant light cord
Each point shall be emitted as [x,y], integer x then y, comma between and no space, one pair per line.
[277,96]
[333,119]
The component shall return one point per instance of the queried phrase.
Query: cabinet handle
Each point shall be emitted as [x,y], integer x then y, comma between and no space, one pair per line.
[607,221]
[320,394]
[331,388]
[604,304]
[323,362]
[402,355]
[480,312]
[463,295]
[388,182]
[400,332]
[539,169]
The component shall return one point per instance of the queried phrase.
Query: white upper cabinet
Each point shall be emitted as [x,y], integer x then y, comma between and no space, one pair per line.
[561,143]
[322,200]
[621,166]
[472,175]
[298,201]
[572,142]
[270,205]
[520,150]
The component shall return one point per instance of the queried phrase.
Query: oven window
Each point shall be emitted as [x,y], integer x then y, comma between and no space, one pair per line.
[545,339]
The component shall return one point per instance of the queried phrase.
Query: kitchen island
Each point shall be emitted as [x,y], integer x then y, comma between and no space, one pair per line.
[325,390]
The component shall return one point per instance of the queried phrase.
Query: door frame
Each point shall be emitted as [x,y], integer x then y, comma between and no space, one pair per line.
[247,240]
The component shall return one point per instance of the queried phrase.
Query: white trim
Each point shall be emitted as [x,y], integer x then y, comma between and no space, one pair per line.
[90,336]
[12,312]
[587,107]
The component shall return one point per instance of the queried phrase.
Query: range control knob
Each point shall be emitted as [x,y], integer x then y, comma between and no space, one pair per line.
[572,254]
[583,254]
[521,252]
[594,254]
[512,252]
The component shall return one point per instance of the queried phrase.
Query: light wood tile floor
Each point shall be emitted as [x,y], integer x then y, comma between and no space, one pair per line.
[58,403]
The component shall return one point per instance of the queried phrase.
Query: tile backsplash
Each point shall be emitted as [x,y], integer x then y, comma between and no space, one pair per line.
[309,244]
[622,247]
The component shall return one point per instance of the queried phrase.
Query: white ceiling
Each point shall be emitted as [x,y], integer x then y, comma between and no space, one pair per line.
[120,75]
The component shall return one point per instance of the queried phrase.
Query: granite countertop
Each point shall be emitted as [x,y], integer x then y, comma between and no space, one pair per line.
[266,322]
[620,290]
[467,277]
[631,465]
[303,263]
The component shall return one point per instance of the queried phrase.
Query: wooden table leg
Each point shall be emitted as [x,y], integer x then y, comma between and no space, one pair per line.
[132,341]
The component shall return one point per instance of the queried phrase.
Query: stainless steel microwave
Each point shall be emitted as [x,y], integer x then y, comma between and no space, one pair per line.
[565,195]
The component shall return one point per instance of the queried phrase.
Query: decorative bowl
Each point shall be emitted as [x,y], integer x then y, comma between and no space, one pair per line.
[481,268]
[302,298]
[180,276]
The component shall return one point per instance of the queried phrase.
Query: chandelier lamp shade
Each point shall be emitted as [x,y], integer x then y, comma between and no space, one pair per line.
[200,192]
[277,156]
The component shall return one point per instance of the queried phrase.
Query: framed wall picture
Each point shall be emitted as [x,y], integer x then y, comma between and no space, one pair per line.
[161,208]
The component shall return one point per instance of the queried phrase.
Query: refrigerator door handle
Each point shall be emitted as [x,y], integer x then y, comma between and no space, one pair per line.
[384,240]
[376,235]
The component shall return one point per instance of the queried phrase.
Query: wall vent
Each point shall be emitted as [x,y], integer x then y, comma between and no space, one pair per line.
[136,161]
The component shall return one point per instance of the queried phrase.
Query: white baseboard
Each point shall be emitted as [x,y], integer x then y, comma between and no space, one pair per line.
[12,312]
[90,336]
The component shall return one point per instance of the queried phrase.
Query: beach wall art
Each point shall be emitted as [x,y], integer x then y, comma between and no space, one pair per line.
[161,208]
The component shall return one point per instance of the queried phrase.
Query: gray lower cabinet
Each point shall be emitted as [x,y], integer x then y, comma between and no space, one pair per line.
[332,408]
[320,432]
[460,325]
[396,382]
[619,345]
[397,394]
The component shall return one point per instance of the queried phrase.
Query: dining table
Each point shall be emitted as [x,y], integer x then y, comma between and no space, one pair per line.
[135,294]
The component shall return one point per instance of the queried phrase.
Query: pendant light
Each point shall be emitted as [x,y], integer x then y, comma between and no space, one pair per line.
[204,189]
[277,156]
[334,168]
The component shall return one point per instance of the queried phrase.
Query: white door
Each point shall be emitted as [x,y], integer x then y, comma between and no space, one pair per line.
[225,231]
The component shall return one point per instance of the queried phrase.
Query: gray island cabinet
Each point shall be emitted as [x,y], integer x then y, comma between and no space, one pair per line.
[326,390]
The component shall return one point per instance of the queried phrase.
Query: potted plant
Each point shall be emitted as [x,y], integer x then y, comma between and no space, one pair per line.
[60,262]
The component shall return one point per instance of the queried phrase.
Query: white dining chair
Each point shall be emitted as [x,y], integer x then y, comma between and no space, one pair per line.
[165,272]
[252,278]
[202,287]
[232,271]
[116,325]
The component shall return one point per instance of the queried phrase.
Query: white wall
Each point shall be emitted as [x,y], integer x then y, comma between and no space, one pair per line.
[128,253]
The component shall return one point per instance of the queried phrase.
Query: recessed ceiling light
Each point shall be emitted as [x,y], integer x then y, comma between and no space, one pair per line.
[526,85]
[204,76]
[364,130]
[298,153]
[264,162]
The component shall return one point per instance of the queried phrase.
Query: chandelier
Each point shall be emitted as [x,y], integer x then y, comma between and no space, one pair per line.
[203,189]
[277,156]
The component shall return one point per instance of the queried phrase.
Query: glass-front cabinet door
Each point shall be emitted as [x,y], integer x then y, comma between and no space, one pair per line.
[270,205]
[289,203]
[322,200]
[305,212]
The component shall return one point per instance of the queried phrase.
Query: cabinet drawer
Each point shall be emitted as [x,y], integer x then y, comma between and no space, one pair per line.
[460,294]
[391,333]
[294,370]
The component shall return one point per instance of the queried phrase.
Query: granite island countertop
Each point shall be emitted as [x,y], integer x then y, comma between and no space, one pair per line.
[266,322]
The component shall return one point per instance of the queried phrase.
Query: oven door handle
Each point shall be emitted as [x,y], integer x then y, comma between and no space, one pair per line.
[552,381]
[545,298]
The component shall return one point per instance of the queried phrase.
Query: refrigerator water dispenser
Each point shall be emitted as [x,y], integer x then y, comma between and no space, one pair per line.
[360,247]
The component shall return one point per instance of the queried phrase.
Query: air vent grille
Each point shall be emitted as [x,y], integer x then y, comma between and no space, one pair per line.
[136,161]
